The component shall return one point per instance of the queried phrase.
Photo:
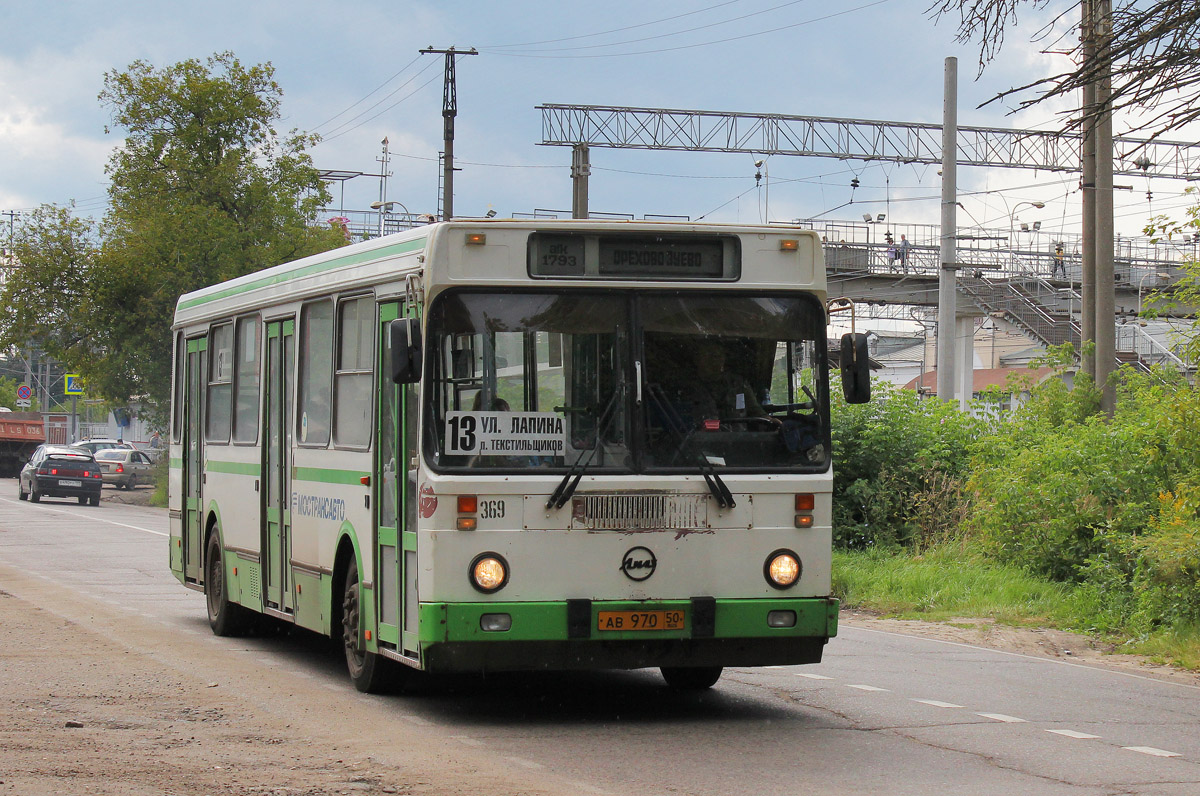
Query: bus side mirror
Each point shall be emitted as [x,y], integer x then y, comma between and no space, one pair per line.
[406,350]
[856,369]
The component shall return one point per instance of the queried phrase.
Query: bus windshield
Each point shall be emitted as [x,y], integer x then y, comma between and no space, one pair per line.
[627,382]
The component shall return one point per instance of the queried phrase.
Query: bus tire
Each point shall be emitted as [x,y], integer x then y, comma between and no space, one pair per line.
[691,678]
[368,671]
[224,617]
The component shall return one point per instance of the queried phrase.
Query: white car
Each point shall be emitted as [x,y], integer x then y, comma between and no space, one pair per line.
[93,445]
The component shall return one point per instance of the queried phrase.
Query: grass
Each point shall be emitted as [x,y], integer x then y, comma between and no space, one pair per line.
[945,584]
[951,584]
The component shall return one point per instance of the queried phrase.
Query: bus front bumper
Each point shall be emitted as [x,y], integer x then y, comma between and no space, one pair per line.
[582,634]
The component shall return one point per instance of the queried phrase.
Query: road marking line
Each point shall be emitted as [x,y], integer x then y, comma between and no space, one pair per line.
[98,519]
[813,676]
[466,739]
[1001,717]
[1150,750]
[420,722]
[865,687]
[527,763]
[1082,736]
[937,704]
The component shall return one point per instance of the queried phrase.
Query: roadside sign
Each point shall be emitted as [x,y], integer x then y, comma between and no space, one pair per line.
[24,393]
[22,403]
[74,384]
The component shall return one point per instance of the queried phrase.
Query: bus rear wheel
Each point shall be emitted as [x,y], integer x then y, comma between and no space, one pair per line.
[691,678]
[368,671]
[224,617]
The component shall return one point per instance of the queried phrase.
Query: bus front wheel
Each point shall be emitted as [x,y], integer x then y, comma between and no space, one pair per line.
[368,671]
[691,678]
[224,617]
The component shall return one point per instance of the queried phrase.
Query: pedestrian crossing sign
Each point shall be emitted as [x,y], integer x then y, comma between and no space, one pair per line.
[74,384]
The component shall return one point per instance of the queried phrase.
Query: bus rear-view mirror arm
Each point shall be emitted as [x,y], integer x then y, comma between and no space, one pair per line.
[406,350]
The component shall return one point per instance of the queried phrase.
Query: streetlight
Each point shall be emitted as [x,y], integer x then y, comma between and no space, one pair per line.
[1012,255]
[762,164]
[1157,274]
[385,207]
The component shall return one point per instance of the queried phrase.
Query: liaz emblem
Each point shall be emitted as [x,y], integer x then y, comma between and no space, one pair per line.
[638,563]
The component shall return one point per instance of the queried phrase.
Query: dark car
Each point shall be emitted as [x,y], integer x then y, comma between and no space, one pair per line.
[60,471]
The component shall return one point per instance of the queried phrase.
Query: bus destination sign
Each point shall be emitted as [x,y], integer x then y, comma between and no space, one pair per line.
[673,259]
[659,257]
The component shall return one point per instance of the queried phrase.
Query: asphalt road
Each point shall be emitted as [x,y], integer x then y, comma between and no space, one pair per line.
[885,713]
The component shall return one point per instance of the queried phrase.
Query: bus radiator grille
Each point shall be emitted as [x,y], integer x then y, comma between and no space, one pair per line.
[642,511]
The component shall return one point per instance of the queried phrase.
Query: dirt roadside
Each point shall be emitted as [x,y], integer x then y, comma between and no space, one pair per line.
[96,702]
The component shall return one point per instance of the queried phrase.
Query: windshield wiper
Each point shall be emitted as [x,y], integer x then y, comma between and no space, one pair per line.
[567,486]
[716,486]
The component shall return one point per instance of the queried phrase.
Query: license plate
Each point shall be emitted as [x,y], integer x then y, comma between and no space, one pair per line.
[70,483]
[641,620]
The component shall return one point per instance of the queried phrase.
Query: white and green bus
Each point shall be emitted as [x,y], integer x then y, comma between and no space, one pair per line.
[488,445]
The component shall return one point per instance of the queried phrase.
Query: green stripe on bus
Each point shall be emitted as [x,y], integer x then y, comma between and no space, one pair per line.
[308,270]
[328,476]
[237,468]
[547,621]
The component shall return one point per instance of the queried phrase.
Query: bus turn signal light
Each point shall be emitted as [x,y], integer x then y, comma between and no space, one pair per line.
[789,245]
[476,239]
[806,501]
[468,504]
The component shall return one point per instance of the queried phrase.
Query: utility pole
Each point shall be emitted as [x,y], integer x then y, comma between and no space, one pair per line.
[449,111]
[383,160]
[1098,290]
[1106,314]
[948,273]
[1087,279]
[581,169]
[13,215]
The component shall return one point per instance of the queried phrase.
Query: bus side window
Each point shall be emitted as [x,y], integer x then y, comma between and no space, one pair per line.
[316,372]
[220,384]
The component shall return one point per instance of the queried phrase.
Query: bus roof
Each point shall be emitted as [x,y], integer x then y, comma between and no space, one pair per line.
[371,262]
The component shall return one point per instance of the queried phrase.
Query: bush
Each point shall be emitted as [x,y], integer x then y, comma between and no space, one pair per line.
[899,465]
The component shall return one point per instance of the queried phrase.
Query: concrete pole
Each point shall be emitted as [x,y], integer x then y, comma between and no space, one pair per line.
[949,257]
[964,341]
[581,169]
[1106,315]
[1087,279]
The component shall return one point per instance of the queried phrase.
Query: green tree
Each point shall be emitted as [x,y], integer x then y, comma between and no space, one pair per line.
[203,189]
[50,297]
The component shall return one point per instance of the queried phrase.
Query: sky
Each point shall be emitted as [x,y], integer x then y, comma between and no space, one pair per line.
[351,72]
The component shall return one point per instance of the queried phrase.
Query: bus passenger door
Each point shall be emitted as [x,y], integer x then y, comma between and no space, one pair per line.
[193,459]
[395,502]
[276,545]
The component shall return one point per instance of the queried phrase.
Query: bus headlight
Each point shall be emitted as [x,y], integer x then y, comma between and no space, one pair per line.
[489,572]
[782,569]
